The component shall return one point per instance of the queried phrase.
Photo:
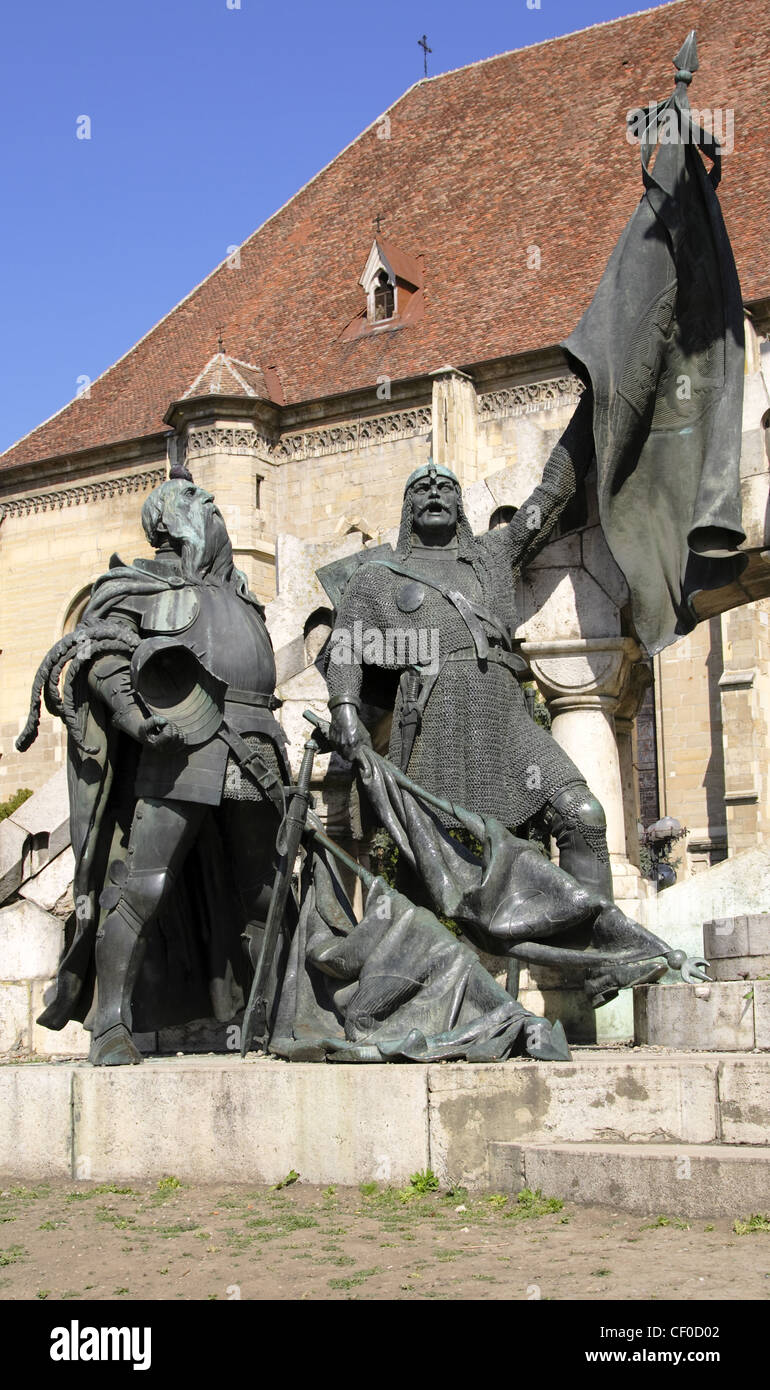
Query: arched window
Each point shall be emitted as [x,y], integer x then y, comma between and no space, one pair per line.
[501,516]
[76,609]
[384,298]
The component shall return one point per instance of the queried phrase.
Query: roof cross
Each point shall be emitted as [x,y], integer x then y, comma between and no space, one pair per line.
[423,44]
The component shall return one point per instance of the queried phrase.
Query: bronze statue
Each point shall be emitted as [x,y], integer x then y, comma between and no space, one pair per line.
[173,745]
[461,724]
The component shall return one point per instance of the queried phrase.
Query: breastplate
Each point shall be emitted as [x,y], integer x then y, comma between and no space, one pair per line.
[226,633]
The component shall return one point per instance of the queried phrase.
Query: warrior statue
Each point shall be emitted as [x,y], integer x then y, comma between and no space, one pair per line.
[462,727]
[173,744]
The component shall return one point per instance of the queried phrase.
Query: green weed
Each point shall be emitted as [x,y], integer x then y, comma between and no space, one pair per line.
[291,1177]
[531,1204]
[757,1222]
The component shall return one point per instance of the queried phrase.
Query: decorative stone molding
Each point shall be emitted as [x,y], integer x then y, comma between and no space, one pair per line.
[83,492]
[226,439]
[530,397]
[581,667]
[369,429]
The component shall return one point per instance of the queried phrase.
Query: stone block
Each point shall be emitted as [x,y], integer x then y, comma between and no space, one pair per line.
[740,968]
[762,1015]
[35,1121]
[45,818]
[596,1097]
[13,840]
[649,1179]
[53,885]
[70,1041]
[725,937]
[31,942]
[759,934]
[715,1017]
[599,562]
[613,1022]
[251,1121]
[744,1100]
[14,1017]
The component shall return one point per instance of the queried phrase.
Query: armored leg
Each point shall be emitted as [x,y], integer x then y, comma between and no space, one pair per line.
[249,831]
[161,835]
[577,822]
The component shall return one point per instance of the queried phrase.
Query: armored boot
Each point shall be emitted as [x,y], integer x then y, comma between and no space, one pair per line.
[577,822]
[120,947]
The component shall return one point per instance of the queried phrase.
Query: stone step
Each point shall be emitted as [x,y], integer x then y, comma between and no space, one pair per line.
[724,1016]
[684,1180]
[223,1119]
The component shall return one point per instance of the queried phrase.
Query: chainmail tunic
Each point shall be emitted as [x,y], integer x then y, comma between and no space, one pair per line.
[239,785]
[477,744]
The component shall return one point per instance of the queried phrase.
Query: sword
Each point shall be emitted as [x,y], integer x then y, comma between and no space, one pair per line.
[254,1029]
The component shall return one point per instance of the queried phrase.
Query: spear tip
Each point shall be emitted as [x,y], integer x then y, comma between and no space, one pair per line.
[686,60]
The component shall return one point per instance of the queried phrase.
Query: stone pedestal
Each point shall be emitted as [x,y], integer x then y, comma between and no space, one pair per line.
[732,1013]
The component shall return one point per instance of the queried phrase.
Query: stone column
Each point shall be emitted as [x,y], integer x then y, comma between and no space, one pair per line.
[454,423]
[583,681]
[639,680]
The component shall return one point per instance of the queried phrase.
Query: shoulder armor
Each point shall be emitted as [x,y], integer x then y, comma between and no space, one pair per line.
[172,611]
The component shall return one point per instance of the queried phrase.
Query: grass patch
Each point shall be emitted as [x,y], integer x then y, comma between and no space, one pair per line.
[11,1255]
[678,1222]
[531,1204]
[757,1222]
[360,1276]
[180,1229]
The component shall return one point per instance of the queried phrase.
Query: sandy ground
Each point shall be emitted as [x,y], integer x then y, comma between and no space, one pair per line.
[171,1241]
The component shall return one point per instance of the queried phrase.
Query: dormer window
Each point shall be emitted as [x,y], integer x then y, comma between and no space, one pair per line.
[383,298]
[392,282]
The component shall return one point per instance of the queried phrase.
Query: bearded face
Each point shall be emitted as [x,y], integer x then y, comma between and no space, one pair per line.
[435,503]
[186,517]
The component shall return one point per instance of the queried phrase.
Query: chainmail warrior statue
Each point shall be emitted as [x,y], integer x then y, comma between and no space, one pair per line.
[172,745]
[443,605]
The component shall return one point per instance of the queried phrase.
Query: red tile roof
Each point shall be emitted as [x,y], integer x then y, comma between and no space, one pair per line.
[526,149]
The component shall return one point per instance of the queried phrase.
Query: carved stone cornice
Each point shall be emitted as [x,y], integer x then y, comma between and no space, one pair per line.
[368,429]
[227,439]
[530,397]
[82,492]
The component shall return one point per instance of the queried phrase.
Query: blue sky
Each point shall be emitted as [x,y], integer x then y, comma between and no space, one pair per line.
[206,116]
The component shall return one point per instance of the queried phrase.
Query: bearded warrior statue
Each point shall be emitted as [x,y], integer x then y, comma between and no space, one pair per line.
[462,726]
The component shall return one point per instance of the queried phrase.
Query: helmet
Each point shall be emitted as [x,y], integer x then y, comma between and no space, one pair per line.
[438,470]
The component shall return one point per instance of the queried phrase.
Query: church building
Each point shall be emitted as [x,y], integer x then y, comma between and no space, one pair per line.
[413,296]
